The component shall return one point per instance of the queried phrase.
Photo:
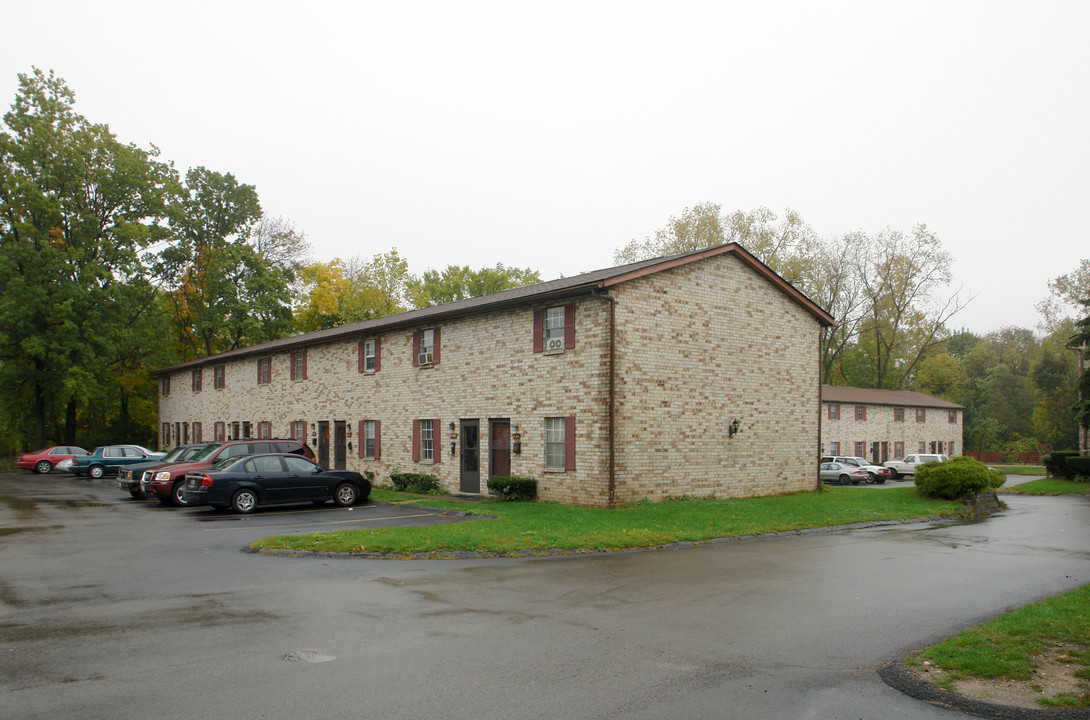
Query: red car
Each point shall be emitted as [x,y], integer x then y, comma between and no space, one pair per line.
[43,461]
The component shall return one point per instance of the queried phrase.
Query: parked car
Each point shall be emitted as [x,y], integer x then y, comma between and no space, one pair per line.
[842,474]
[108,459]
[168,483]
[246,483]
[128,478]
[45,461]
[908,464]
[875,473]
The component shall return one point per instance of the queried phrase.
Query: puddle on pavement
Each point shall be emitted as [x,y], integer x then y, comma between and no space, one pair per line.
[306,656]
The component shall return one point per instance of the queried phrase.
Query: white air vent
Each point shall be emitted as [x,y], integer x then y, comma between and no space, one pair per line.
[554,345]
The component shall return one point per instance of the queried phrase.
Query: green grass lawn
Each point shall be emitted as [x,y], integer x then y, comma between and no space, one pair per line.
[1050,486]
[1008,646]
[1019,469]
[528,527]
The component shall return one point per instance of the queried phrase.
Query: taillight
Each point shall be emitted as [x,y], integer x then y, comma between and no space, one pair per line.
[206,480]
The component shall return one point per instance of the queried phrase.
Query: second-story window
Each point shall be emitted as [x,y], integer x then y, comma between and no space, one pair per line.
[264,371]
[898,414]
[834,412]
[921,416]
[219,377]
[426,347]
[198,379]
[299,365]
[860,412]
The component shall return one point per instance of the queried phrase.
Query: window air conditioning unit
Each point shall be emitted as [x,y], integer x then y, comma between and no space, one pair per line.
[424,358]
[554,344]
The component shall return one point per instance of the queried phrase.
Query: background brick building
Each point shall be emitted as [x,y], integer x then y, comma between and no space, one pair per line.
[888,424]
[697,374]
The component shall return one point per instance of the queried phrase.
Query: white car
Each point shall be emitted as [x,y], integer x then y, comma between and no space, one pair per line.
[908,464]
[875,473]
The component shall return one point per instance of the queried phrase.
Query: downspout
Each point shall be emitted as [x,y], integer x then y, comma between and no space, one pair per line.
[612,416]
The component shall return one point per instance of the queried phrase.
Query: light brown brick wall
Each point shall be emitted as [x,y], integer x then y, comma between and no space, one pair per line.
[881,427]
[697,346]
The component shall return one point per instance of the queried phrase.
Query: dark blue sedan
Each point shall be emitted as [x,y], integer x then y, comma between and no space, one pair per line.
[245,483]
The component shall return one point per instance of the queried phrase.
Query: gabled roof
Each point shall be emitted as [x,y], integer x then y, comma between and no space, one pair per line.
[871,396]
[562,288]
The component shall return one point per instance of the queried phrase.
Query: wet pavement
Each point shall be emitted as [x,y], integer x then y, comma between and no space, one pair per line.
[111,608]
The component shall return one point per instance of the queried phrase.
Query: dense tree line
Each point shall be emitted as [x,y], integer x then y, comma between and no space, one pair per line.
[890,295]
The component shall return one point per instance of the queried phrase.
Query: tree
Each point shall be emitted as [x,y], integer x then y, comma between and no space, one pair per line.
[340,292]
[223,292]
[1066,293]
[698,227]
[460,283]
[1054,374]
[77,207]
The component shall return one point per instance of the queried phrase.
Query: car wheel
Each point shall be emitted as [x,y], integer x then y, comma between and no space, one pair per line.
[879,480]
[177,494]
[96,471]
[897,475]
[137,495]
[344,495]
[244,501]
[43,467]
[844,479]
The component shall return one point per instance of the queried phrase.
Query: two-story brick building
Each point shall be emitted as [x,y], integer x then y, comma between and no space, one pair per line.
[888,424]
[697,374]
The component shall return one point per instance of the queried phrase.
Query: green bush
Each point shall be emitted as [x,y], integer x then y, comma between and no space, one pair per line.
[414,482]
[1056,462]
[956,478]
[1078,467]
[513,488]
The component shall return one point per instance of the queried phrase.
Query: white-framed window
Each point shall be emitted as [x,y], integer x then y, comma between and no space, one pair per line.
[219,432]
[264,429]
[834,413]
[860,412]
[427,347]
[898,414]
[369,438]
[197,433]
[922,447]
[952,416]
[198,380]
[427,440]
[219,377]
[921,416]
[898,449]
[298,365]
[299,430]
[554,329]
[554,443]
[369,355]
[264,370]
[952,444]
[834,448]
[860,449]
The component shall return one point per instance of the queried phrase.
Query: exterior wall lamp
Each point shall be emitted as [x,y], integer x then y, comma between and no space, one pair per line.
[732,428]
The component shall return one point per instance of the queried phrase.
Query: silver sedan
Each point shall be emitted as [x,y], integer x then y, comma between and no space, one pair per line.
[841,474]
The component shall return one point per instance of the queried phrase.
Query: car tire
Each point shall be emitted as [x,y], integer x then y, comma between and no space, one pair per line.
[137,495]
[177,494]
[879,481]
[96,471]
[844,480]
[43,467]
[345,495]
[897,475]
[244,501]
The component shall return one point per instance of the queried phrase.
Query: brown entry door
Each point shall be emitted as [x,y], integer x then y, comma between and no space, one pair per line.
[500,449]
[340,440]
[323,443]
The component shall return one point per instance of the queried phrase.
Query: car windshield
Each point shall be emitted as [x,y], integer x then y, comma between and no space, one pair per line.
[205,452]
[175,453]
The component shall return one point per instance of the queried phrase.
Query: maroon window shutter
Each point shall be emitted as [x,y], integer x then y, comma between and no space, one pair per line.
[378,356]
[361,443]
[435,346]
[416,348]
[259,371]
[359,356]
[569,442]
[436,436]
[291,364]
[378,431]
[569,327]
[416,440]
[539,330]
[270,370]
[304,364]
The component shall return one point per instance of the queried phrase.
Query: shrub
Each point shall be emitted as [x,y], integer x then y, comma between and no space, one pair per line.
[1078,467]
[956,478]
[1056,462]
[513,488]
[414,482]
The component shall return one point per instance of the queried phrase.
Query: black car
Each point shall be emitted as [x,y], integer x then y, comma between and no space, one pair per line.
[128,478]
[244,483]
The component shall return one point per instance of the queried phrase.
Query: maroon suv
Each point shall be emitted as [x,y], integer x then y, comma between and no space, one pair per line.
[168,483]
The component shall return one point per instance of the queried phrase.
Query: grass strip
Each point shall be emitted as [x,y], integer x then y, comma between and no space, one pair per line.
[1050,486]
[528,527]
[1019,469]
[1010,645]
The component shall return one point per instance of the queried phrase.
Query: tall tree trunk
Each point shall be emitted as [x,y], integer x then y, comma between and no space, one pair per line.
[70,422]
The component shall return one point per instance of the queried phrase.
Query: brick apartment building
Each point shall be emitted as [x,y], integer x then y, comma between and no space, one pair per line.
[888,424]
[697,374]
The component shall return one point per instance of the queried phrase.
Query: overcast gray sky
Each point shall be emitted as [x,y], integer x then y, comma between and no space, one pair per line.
[547,135]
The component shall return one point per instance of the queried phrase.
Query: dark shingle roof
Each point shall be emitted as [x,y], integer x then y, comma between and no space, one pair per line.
[552,290]
[871,396]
